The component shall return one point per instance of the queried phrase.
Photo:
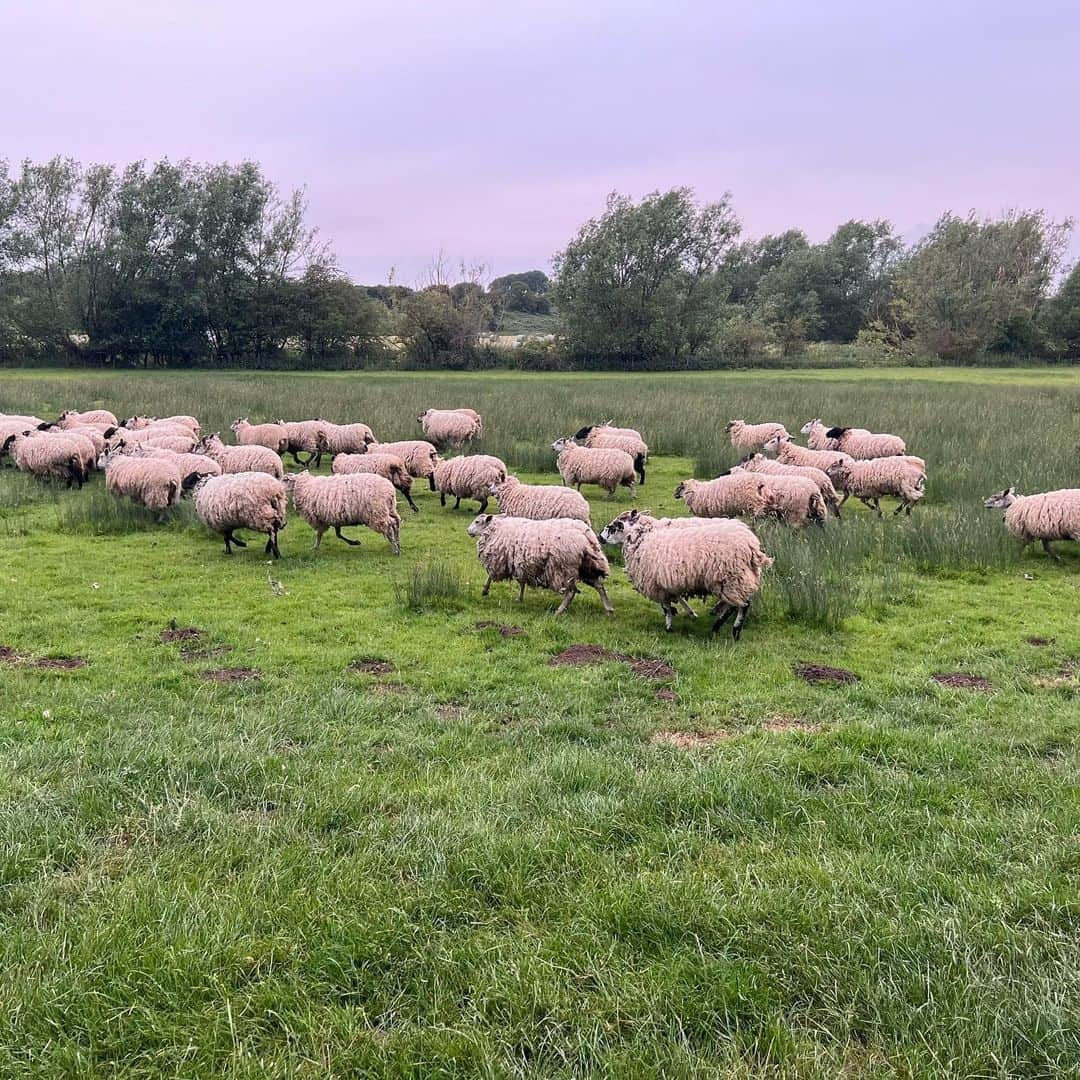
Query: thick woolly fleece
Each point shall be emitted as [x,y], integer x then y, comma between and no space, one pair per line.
[452,427]
[735,494]
[540,502]
[241,459]
[470,477]
[326,502]
[748,438]
[272,436]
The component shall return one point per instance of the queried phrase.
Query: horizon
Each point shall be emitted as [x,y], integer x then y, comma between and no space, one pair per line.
[508,129]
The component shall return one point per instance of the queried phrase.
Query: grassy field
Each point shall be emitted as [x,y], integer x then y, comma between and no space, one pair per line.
[477,864]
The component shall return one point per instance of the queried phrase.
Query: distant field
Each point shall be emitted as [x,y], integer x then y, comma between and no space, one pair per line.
[475,863]
[517,322]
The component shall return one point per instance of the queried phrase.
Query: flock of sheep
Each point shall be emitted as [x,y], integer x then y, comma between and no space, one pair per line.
[542,536]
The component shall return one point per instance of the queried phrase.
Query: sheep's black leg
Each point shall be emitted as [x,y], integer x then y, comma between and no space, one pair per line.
[228,543]
[409,499]
[238,542]
[521,593]
[442,497]
[431,483]
[341,536]
[483,505]
[318,459]
[901,508]
[729,610]
[737,626]
[669,615]
[457,502]
[682,602]
[1050,551]
[487,586]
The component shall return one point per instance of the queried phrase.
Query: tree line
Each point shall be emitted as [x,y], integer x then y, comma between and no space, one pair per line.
[211,265]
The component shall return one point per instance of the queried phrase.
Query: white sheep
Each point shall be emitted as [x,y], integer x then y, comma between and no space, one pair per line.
[1047,516]
[188,464]
[539,501]
[57,459]
[136,423]
[389,466]
[789,453]
[346,438]
[585,465]
[795,500]
[749,438]
[150,481]
[94,417]
[583,435]
[241,459]
[245,500]
[83,445]
[306,437]
[272,436]
[634,445]
[553,554]
[451,427]
[864,445]
[666,565]
[816,435]
[326,502]
[732,494]
[758,463]
[468,477]
[420,457]
[878,478]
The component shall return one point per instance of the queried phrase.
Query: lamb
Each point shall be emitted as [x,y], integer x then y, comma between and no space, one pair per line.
[469,477]
[347,499]
[240,459]
[732,494]
[667,564]
[420,457]
[585,465]
[272,436]
[878,478]
[552,554]
[795,501]
[346,438]
[71,418]
[153,482]
[388,466]
[451,427]
[864,445]
[789,453]
[305,437]
[56,458]
[136,423]
[758,463]
[1051,515]
[244,500]
[749,438]
[539,502]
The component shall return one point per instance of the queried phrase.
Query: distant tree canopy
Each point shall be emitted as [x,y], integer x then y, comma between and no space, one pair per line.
[525,292]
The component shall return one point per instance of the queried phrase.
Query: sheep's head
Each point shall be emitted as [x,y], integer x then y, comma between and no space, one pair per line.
[292,477]
[839,472]
[238,423]
[810,425]
[617,530]
[9,442]
[191,484]
[682,489]
[479,524]
[1002,500]
[583,433]
[731,424]
[774,444]
[423,416]
[559,445]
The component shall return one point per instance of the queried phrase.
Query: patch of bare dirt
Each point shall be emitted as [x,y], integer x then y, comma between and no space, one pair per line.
[388,688]
[180,633]
[8,655]
[60,663]
[780,725]
[822,673]
[230,675]
[664,694]
[690,740]
[451,712]
[1065,676]
[370,665]
[1040,641]
[643,666]
[191,655]
[960,680]
[505,629]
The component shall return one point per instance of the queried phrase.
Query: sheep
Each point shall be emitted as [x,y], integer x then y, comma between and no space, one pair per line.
[667,564]
[389,466]
[153,482]
[48,458]
[272,436]
[795,501]
[584,465]
[71,418]
[240,459]
[346,438]
[539,501]
[188,464]
[749,438]
[469,477]
[864,445]
[420,457]
[138,436]
[789,453]
[553,554]
[84,446]
[305,437]
[585,434]
[136,423]
[633,445]
[451,427]
[732,494]
[178,444]
[1050,515]
[9,428]
[758,463]
[243,500]
[19,418]
[347,499]
[877,478]
[92,433]
[816,437]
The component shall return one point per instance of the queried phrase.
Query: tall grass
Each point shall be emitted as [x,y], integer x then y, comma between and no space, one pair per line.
[431,585]
[98,513]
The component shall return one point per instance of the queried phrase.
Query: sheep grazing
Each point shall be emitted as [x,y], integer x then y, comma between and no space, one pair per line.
[749,438]
[732,494]
[878,478]
[92,433]
[153,482]
[326,502]
[47,458]
[667,564]
[789,453]
[94,417]
[245,500]
[864,445]
[758,463]
[540,502]
[553,554]
[451,427]
[1051,515]
[585,465]
[272,436]
[469,477]
[305,437]
[388,466]
[240,459]
[346,438]
[420,457]
[794,500]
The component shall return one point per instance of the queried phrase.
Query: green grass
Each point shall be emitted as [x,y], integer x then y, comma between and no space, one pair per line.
[481,865]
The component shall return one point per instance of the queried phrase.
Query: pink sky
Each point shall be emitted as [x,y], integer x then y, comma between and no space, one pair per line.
[492,130]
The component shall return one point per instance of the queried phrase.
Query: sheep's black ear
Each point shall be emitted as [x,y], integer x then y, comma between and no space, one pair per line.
[835,432]
[583,433]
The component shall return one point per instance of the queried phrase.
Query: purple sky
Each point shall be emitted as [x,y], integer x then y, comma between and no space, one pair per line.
[491,130]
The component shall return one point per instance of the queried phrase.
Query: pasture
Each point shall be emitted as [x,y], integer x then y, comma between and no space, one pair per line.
[398,841]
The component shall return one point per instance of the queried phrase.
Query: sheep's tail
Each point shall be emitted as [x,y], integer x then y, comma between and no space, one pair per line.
[639,467]
[175,487]
[593,567]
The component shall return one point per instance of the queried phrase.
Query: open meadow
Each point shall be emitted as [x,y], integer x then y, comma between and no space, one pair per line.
[354,821]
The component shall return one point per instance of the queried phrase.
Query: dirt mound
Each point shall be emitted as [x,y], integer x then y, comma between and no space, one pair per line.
[60,663]
[666,695]
[180,633]
[230,675]
[1040,640]
[690,740]
[959,680]
[643,666]
[370,665]
[504,628]
[1066,676]
[191,655]
[822,673]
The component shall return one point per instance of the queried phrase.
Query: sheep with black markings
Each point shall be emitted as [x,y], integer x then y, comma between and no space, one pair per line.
[539,501]
[245,500]
[864,445]
[326,502]
[305,437]
[150,481]
[469,477]
[878,478]
[1047,516]
[389,466]
[608,469]
[52,459]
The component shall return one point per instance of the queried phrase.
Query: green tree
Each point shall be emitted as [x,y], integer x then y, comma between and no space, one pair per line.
[1063,315]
